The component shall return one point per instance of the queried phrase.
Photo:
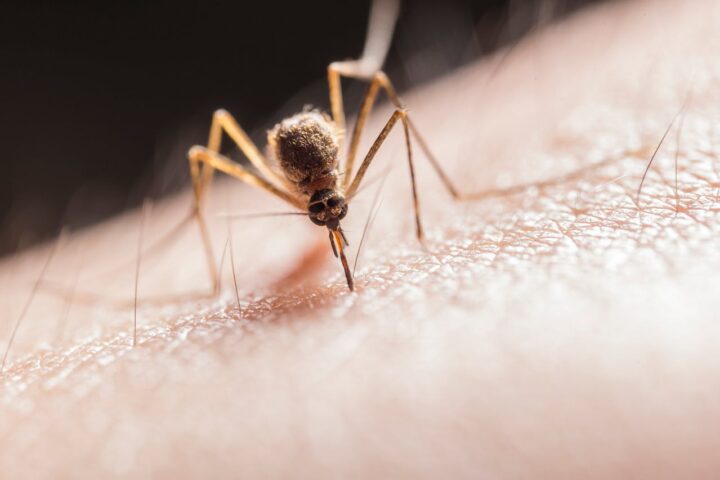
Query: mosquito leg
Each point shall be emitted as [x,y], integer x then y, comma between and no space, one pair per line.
[356,70]
[377,80]
[202,172]
[439,171]
[198,155]
[444,178]
[223,121]
[365,108]
[381,25]
[397,115]
[335,90]
[367,68]
[210,159]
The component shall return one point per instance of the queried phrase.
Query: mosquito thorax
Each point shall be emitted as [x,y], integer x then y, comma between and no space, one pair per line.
[306,148]
[327,207]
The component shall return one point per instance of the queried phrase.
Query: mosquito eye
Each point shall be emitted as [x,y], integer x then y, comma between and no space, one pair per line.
[343,212]
[333,202]
[316,208]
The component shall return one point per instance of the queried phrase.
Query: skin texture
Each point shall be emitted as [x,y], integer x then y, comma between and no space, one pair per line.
[561,330]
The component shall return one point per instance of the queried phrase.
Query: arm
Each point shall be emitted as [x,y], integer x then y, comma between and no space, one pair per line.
[551,332]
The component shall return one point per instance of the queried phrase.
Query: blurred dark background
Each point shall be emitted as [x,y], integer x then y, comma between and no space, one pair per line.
[99,101]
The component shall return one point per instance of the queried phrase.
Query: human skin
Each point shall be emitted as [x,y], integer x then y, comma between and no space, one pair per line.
[561,330]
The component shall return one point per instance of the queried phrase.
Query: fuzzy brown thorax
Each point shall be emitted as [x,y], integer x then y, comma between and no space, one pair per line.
[306,148]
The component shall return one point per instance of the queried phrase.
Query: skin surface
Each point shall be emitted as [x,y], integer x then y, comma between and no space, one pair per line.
[561,330]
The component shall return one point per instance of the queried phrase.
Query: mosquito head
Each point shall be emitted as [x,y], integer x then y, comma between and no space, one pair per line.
[326,208]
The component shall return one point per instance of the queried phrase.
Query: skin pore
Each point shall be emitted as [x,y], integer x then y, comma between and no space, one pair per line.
[562,330]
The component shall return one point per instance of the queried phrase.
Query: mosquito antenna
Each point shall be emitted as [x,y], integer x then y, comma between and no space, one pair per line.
[233,216]
[374,209]
[366,229]
[147,207]
[28,302]
[371,181]
[662,139]
[381,24]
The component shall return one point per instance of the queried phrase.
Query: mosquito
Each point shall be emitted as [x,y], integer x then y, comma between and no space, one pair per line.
[305,171]
[306,148]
